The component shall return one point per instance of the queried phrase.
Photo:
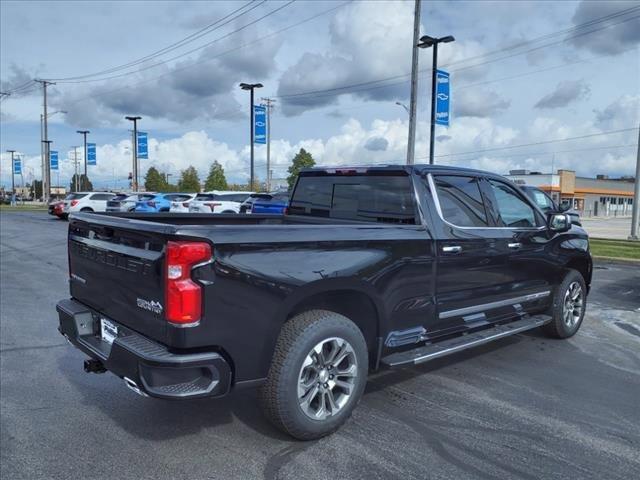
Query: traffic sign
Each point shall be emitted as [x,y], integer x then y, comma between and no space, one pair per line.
[442,97]
[91,154]
[143,149]
[260,124]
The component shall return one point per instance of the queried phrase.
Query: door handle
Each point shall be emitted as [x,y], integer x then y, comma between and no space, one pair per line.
[514,245]
[452,249]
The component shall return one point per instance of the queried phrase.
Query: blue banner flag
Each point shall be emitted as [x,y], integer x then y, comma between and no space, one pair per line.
[442,98]
[260,124]
[53,160]
[143,148]
[17,166]
[91,154]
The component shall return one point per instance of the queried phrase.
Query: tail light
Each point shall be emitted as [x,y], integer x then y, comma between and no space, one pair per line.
[151,203]
[74,203]
[185,204]
[183,296]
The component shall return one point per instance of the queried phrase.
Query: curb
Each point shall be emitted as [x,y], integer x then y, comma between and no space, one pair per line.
[616,260]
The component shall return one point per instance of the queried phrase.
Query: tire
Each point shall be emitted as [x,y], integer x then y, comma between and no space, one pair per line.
[567,312]
[228,211]
[86,209]
[283,395]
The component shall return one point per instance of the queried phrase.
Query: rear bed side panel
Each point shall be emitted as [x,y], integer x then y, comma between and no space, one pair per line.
[258,283]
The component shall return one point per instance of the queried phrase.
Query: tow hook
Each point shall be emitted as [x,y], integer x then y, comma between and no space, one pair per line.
[94,366]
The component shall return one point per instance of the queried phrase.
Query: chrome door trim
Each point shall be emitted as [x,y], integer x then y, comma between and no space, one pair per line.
[488,306]
[436,201]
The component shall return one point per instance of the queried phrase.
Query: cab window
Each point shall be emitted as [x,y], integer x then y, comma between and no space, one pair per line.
[460,200]
[511,209]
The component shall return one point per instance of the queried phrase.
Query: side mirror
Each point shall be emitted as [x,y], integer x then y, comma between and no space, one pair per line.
[559,222]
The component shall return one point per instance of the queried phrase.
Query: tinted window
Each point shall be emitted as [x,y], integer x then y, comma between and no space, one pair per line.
[75,196]
[460,201]
[540,198]
[386,199]
[512,210]
[102,196]
[233,197]
[201,197]
[177,197]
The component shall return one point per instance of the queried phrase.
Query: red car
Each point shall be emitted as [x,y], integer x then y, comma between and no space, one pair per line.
[56,208]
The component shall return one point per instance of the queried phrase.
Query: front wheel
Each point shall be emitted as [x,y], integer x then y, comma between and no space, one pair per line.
[569,305]
[317,376]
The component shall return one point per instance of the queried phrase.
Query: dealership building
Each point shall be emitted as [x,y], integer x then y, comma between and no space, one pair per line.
[592,197]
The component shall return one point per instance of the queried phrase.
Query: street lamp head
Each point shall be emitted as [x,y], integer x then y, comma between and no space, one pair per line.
[447,39]
[250,86]
[83,132]
[426,41]
[133,118]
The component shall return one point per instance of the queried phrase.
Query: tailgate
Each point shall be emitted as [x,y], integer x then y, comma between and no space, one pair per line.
[116,267]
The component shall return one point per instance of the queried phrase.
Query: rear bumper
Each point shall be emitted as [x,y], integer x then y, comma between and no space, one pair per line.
[145,365]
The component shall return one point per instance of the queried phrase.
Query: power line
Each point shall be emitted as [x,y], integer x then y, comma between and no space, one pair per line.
[186,40]
[534,40]
[248,44]
[163,62]
[546,142]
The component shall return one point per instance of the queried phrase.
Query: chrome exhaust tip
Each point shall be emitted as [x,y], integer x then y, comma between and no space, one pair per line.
[134,386]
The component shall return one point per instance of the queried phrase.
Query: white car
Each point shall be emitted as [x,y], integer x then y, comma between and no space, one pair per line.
[182,206]
[87,202]
[218,202]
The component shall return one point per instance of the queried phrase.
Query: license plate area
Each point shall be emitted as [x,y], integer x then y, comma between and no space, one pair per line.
[108,331]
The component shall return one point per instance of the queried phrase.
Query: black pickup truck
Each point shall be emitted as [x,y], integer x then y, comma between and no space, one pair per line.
[370,267]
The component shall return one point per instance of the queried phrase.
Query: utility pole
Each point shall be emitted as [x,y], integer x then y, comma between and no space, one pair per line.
[13,173]
[268,102]
[251,87]
[635,212]
[134,150]
[425,42]
[413,108]
[47,163]
[84,135]
[46,187]
[75,167]
[42,163]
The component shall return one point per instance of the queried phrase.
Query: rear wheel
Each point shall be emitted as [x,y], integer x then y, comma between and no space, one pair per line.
[86,209]
[569,305]
[317,376]
[228,211]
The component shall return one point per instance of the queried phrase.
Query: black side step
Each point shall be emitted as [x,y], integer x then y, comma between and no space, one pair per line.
[457,344]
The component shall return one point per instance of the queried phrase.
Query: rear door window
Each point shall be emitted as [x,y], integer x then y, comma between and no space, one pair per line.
[75,196]
[512,209]
[460,200]
[385,199]
[102,196]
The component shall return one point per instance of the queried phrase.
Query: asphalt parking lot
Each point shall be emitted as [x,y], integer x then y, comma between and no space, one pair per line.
[524,407]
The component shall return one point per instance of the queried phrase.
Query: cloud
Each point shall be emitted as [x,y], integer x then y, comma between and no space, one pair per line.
[376,144]
[564,94]
[622,113]
[366,45]
[619,37]
[187,91]
[18,77]
[479,103]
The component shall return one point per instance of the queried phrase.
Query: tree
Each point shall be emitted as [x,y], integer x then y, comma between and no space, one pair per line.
[303,159]
[189,180]
[85,184]
[36,189]
[154,181]
[216,179]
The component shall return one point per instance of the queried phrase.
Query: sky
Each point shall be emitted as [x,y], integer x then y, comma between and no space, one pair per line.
[534,85]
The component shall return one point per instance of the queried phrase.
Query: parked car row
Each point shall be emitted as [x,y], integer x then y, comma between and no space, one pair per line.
[152,202]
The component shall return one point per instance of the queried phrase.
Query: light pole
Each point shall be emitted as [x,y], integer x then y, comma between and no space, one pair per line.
[75,167]
[84,136]
[13,173]
[134,148]
[269,104]
[635,211]
[404,106]
[251,87]
[425,42]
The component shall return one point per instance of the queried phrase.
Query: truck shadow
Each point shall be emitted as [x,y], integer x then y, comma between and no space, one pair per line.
[155,419]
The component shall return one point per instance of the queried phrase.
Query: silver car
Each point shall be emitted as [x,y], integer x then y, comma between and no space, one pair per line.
[126,202]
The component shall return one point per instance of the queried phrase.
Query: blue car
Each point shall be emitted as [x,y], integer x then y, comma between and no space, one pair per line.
[161,202]
[276,205]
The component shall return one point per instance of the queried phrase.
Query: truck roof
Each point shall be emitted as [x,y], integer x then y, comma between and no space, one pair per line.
[421,168]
